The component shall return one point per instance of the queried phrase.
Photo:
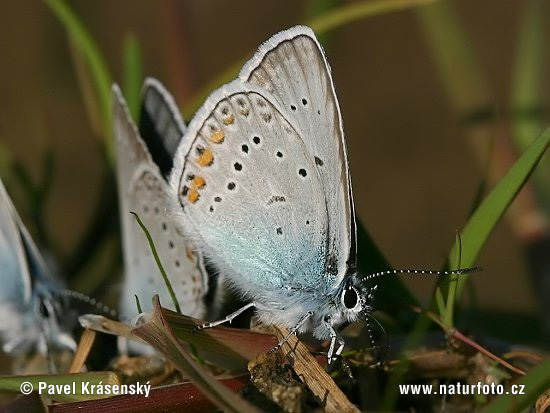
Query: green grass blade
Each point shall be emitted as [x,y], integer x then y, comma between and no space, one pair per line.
[333,19]
[96,63]
[528,92]
[528,72]
[138,305]
[159,263]
[359,10]
[448,316]
[481,224]
[534,383]
[466,88]
[316,8]
[133,75]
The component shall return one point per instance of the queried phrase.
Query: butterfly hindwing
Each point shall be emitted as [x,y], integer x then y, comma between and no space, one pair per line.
[143,190]
[247,168]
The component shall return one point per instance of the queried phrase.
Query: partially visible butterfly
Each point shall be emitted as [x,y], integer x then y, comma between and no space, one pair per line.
[31,299]
[144,160]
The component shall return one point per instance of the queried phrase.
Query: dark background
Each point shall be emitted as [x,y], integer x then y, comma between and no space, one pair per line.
[413,169]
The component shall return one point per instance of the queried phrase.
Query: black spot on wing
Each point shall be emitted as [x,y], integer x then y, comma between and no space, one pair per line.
[276,198]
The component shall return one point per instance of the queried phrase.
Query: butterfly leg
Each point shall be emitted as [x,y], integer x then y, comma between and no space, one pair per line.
[334,337]
[227,319]
[293,330]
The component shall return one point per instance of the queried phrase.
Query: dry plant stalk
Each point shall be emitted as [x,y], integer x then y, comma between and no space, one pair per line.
[84,346]
[313,375]
[543,402]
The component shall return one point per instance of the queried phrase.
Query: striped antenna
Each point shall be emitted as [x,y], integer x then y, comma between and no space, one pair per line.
[104,308]
[459,271]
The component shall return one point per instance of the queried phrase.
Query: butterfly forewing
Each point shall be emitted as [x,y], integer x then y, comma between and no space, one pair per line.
[292,67]
[160,124]
[143,190]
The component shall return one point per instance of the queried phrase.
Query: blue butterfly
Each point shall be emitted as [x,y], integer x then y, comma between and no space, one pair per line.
[262,186]
[31,303]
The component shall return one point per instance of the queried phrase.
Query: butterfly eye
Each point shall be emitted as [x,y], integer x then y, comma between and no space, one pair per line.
[42,309]
[350,298]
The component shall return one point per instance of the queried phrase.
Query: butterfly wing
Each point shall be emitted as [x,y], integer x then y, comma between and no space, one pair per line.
[160,125]
[277,213]
[292,67]
[16,281]
[142,189]
[241,175]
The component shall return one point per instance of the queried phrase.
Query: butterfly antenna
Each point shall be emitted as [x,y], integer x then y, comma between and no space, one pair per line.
[104,308]
[381,355]
[459,271]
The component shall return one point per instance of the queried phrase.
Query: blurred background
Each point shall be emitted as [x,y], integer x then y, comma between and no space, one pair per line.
[431,99]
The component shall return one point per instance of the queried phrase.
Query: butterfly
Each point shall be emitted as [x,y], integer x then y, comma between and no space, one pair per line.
[32,305]
[144,160]
[261,184]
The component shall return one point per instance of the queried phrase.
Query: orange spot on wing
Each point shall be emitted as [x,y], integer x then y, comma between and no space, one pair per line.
[218,136]
[206,157]
[229,120]
[190,254]
[193,195]
[198,182]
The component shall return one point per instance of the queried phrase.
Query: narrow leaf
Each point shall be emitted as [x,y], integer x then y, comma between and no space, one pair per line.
[359,10]
[133,75]
[158,334]
[481,224]
[95,60]
[528,92]
[159,263]
[227,347]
